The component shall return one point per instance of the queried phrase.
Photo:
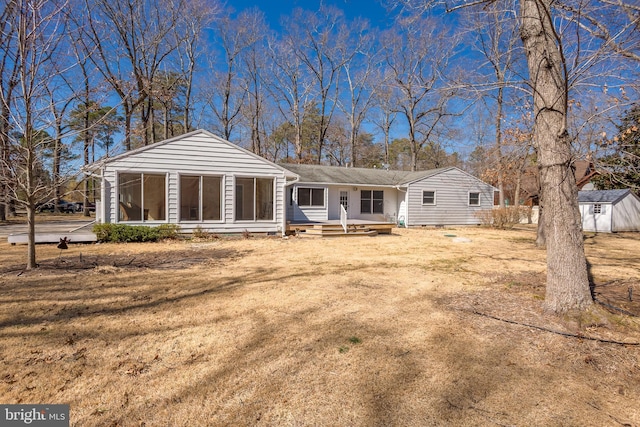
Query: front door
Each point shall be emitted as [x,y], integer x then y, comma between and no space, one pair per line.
[344,200]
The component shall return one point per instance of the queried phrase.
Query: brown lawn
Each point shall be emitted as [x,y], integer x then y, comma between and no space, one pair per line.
[412,329]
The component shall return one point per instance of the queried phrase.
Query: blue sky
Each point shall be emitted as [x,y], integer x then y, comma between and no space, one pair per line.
[274,9]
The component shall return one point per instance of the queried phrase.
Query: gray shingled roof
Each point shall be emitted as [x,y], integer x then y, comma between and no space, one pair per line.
[601,196]
[319,174]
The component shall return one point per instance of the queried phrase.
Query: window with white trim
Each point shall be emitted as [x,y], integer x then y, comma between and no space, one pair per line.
[310,197]
[142,197]
[428,197]
[254,199]
[371,201]
[200,198]
[474,199]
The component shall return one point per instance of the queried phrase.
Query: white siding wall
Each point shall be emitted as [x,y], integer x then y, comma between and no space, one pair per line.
[452,188]
[198,154]
[626,214]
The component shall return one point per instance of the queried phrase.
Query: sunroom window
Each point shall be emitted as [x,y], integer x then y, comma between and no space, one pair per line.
[200,198]
[254,199]
[142,197]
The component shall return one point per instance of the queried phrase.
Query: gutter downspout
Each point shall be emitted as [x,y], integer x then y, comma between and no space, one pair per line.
[285,208]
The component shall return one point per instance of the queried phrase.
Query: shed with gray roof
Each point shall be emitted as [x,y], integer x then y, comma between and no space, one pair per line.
[608,211]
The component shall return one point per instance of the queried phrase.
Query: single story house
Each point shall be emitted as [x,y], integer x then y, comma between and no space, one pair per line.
[608,211]
[200,181]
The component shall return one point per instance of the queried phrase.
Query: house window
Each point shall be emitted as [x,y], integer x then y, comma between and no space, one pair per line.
[200,198]
[142,197]
[310,196]
[428,197]
[596,208]
[371,201]
[254,199]
[474,199]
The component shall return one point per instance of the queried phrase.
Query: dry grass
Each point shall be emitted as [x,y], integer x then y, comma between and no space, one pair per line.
[363,331]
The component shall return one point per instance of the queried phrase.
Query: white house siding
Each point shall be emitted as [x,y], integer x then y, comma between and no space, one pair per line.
[596,222]
[626,214]
[452,188]
[198,153]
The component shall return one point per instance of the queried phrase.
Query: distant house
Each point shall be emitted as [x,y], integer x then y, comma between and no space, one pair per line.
[609,211]
[200,181]
[583,172]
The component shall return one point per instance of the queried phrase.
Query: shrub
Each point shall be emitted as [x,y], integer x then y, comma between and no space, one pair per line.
[123,233]
[200,233]
[168,231]
[503,217]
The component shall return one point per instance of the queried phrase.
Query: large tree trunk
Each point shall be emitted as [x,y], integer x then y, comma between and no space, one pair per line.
[567,280]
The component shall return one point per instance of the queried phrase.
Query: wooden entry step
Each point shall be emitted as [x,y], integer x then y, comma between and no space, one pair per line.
[336,230]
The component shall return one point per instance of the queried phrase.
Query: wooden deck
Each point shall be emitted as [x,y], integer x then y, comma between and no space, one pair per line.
[332,228]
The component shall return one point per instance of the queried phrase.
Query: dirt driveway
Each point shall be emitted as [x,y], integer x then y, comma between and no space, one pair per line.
[412,329]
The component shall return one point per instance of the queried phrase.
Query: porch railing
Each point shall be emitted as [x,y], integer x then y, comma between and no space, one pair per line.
[343,218]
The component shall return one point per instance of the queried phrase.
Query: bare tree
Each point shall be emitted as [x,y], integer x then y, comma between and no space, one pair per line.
[39,34]
[416,56]
[556,62]
[358,75]
[290,88]
[132,40]
[8,82]
[545,50]
[317,39]
[567,279]
[385,109]
[188,34]
[226,95]
[254,64]
[496,38]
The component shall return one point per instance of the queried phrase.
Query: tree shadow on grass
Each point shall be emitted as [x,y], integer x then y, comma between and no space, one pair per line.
[71,299]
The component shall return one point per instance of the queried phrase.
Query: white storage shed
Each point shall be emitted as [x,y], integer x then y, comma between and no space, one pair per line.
[609,211]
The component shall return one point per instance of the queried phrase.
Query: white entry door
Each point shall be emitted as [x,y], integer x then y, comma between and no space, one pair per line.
[344,200]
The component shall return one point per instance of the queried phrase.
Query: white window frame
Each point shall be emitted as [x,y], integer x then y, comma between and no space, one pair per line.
[597,209]
[119,173]
[372,199]
[434,197]
[255,189]
[311,189]
[201,177]
[479,198]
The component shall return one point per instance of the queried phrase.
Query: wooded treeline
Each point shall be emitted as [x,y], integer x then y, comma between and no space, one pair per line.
[81,79]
